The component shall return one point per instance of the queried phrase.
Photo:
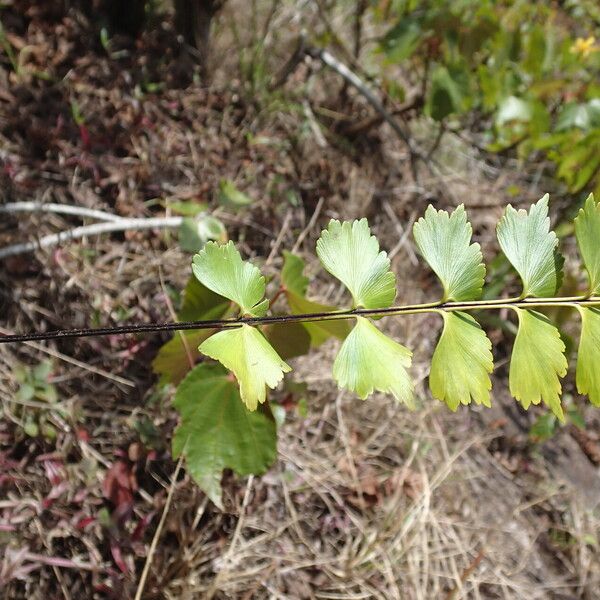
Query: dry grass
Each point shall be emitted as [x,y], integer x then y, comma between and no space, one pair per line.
[369,502]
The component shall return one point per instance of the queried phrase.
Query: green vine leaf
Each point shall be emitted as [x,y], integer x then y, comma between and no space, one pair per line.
[369,360]
[217,431]
[244,351]
[173,361]
[221,269]
[445,242]
[288,339]
[292,274]
[350,253]
[587,231]
[588,356]
[530,246]
[199,304]
[295,284]
[537,363]
[462,362]
[231,197]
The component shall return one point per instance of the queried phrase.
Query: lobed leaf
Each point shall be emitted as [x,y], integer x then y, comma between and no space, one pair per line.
[462,362]
[587,231]
[445,242]
[537,363]
[253,361]
[369,360]
[217,431]
[221,269]
[588,356]
[530,246]
[350,253]
[295,283]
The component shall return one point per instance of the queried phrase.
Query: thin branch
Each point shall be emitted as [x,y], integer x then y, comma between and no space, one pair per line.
[437,141]
[367,123]
[65,563]
[63,209]
[291,64]
[361,7]
[122,224]
[354,80]
[311,223]
[513,303]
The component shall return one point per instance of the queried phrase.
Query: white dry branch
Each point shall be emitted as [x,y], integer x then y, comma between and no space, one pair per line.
[111,223]
[61,209]
[122,224]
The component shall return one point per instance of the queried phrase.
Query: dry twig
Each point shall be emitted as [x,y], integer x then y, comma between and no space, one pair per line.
[96,229]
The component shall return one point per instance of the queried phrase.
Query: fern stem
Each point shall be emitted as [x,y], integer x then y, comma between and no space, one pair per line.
[571,302]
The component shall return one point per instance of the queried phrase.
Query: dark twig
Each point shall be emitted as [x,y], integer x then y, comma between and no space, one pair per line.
[350,77]
[340,68]
[437,141]
[353,79]
[290,66]
[361,7]
[357,128]
[305,317]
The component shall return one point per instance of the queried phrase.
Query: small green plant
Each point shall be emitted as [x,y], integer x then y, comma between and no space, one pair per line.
[521,75]
[34,389]
[229,424]
[34,384]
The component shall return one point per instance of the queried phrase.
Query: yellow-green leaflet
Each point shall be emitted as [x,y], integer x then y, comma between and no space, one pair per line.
[445,242]
[588,356]
[462,362]
[587,231]
[369,360]
[537,362]
[221,269]
[350,253]
[254,362]
[531,248]
[217,431]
